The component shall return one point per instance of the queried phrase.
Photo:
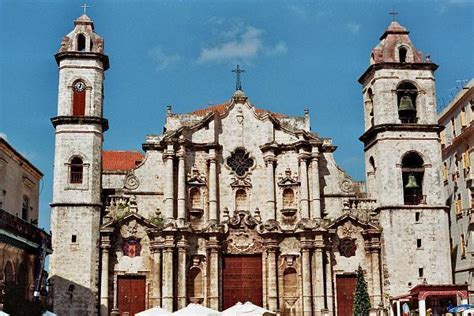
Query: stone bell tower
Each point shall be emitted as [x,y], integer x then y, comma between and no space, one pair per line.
[76,204]
[403,159]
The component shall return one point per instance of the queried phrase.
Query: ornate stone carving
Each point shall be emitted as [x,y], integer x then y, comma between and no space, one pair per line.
[240,162]
[346,185]
[242,219]
[131,182]
[288,180]
[195,178]
[243,242]
[270,226]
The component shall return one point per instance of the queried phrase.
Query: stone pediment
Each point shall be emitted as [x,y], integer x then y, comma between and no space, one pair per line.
[288,180]
[241,183]
[195,178]
[126,220]
[348,219]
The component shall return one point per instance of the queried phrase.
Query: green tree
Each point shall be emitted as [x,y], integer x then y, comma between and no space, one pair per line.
[361,296]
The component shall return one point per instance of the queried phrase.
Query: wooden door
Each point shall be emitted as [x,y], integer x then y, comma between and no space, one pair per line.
[242,280]
[345,287]
[131,295]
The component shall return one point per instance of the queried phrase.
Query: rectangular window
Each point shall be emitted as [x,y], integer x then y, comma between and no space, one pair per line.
[418,243]
[466,160]
[453,127]
[73,238]
[463,246]
[463,117]
[458,205]
[417,216]
[420,272]
[445,172]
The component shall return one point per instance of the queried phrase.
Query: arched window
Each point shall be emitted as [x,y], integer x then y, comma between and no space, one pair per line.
[195,198]
[79,98]
[81,42]
[195,285]
[240,200]
[290,282]
[77,169]
[9,273]
[406,101]
[288,199]
[412,174]
[25,206]
[370,100]
[371,164]
[402,54]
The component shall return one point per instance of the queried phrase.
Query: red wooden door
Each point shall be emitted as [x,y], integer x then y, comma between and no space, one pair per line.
[242,280]
[131,295]
[345,286]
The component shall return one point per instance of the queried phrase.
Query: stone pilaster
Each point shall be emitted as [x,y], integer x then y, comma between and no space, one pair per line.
[271,247]
[214,248]
[306,276]
[156,248]
[181,186]
[104,276]
[270,165]
[318,276]
[167,278]
[212,185]
[316,193]
[168,192]
[304,199]
[329,281]
[182,247]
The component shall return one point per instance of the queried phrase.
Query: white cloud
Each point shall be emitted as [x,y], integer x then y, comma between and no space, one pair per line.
[162,59]
[354,28]
[239,41]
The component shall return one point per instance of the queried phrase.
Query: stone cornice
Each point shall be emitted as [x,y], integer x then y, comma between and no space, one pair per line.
[370,134]
[60,204]
[83,55]
[81,120]
[20,159]
[411,66]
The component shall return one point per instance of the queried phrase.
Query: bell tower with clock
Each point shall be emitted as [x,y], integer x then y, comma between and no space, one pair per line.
[403,162]
[76,206]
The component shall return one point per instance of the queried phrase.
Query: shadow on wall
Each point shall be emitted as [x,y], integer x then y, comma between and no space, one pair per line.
[72,299]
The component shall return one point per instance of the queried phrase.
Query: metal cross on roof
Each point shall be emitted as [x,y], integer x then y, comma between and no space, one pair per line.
[84,7]
[393,13]
[238,71]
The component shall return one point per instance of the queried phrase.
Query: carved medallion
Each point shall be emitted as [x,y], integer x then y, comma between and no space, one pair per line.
[131,182]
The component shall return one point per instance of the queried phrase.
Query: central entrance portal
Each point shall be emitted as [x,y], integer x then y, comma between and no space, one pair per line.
[242,279]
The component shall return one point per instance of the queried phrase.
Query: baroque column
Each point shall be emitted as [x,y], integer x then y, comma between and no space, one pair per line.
[306,276]
[270,165]
[272,286]
[316,193]
[214,249]
[168,194]
[167,279]
[156,247]
[329,280]
[182,244]
[104,276]
[212,185]
[304,200]
[318,276]
[181,186]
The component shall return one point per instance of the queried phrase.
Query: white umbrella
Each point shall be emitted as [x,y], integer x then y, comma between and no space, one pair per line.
[48,313]
[247,309]
[196,310]
[155,311]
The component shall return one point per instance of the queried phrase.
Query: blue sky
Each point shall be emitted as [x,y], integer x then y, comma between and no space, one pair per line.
[296,54]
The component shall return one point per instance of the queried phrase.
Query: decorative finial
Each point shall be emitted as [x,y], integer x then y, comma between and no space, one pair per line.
[393,13]
[238,71]
[84,7]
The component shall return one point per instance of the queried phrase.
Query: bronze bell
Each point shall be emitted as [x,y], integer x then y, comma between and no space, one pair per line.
[412,182]
[406,105]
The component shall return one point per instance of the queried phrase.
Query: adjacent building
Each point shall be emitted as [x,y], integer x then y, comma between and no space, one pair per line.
[23,246]
[234,202]
[457,141]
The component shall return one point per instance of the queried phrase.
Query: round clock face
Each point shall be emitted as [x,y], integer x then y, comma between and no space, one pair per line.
[79,86]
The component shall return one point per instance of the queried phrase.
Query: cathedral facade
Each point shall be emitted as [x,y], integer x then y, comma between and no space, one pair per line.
[236,203]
